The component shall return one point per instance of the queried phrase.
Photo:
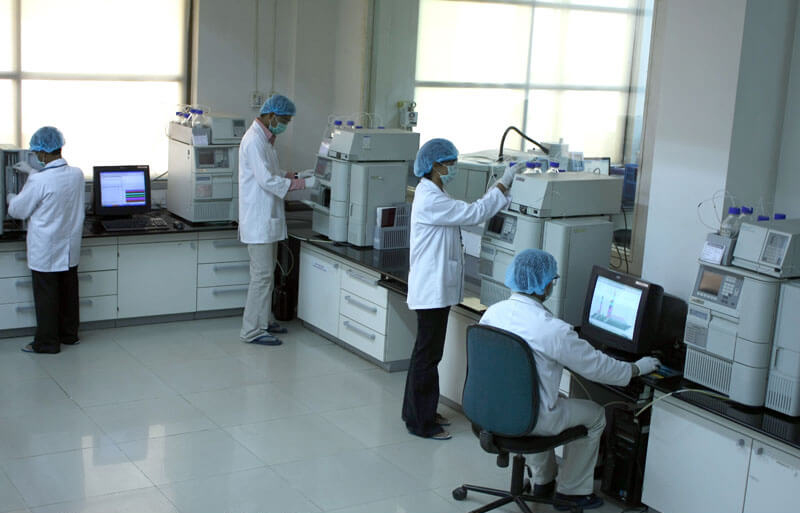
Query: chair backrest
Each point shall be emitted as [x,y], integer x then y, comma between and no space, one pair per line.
[501,391]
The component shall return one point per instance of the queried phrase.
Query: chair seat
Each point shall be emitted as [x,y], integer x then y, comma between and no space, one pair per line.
[529,444]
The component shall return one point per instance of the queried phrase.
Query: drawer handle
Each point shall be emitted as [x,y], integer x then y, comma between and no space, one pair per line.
[24,308]
[85,277]
[362,278]
[760,451]
[361,305]
[218,292]
[20,257]
[87,251]
[231,267]
[358,330]
[740,442]
[24,283]
[227,243]
[87,302]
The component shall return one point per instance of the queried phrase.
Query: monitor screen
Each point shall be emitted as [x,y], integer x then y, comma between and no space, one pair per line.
[121,190]
[615,307]
[710,282]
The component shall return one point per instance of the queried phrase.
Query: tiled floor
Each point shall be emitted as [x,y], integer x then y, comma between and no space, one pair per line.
[183,417]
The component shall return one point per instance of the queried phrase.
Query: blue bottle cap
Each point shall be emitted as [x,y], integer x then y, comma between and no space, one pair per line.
[359,126]
[350,123]
[763,218]
[338,122]
[381,127]
[553,164]
[734,210]
[779,217]
[747,210]
[530,165]
[537,164]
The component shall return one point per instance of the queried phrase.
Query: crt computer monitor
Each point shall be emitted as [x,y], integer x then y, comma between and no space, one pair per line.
[621,312]
[121,190]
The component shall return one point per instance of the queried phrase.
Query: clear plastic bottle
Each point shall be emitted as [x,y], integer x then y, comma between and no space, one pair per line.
[199,118]
[337,124]
[529,167]
[747,215]
[537,168]
[350,123]
[187,119]
[553,169]
[178,117]
[730,225]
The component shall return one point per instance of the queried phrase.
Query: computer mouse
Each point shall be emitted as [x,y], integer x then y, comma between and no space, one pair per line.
[178,225]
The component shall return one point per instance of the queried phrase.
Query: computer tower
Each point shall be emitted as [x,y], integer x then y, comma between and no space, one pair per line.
[623,454]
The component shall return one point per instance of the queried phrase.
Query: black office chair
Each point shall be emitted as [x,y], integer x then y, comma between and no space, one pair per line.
[501,399]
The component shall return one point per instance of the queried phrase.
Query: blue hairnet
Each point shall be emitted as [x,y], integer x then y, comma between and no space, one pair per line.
[47,139]
[531,272]
[435,150]
[278,104]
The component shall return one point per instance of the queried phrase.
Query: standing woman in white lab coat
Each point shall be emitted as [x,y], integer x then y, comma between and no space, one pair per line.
[436,274]
[53,200]
[262,220]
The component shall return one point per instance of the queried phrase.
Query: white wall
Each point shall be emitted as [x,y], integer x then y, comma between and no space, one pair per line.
[696,53]
[787,195]
[318,54]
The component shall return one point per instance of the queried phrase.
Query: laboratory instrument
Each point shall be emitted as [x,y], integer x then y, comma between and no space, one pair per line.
[393,227]
[729,328]
[783,385]
[204,169]
[769,247]
[12,181]
[578,239]
[364,169]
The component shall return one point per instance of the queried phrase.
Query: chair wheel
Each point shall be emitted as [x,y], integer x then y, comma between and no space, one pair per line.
[460,493]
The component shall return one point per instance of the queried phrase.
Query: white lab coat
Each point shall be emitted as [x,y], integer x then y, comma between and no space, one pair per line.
[436,255]
[555,345]
[53,199]
[262,187]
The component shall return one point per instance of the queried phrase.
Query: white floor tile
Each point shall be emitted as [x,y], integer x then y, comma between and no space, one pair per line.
[246,404]
[373,425]
[72,475]
[348,479]
[335,391]
[252,491]
[190,455]
[149,418]
[414,503]
[199,375]
[20,366]
[293,438]
[48,430]
[173,350]
[115,385]
[147,500]
[298,361]
[10,499]
[26,395]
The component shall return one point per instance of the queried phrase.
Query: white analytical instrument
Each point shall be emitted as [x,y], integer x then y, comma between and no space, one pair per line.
[12,181]
[204,169]
[729,328]
[565,214]
[365,168]
[783,386]
[769,247]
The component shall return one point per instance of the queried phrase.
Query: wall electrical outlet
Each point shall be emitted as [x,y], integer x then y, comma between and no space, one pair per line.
[257,99]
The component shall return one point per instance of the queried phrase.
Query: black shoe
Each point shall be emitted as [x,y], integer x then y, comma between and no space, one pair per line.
[442,420]
[543,491]
[567,502]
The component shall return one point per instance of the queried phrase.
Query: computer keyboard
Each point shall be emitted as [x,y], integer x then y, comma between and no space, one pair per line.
[134,223]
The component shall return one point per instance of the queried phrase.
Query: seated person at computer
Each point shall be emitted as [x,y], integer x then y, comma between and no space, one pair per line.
[531,276]
[52,198]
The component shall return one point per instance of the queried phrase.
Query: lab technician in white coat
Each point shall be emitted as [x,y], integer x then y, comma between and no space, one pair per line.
[52,198]
[436,274]
[262,220]
[531,276]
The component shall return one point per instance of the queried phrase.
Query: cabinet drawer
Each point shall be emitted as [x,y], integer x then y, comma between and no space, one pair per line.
[16,290]
[98,258]
[366,313]
[17,315]
[227,273]
[361,337]
[364,284]
[98,308]
[13,264]
[222,250]
[97,283]
[220,298]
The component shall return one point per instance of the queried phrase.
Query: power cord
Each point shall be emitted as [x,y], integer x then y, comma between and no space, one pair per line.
[705,392]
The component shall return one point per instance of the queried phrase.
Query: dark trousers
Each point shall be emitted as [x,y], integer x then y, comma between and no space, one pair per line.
[422,382]
[57,317]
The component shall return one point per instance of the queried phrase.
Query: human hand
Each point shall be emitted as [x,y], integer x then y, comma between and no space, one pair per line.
[647,365]
[512,169]
[24,167]
[306,173]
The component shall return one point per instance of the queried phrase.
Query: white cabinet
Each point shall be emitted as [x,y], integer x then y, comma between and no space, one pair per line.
[700,462]
[157,278]
[223,271]
[318,294]
[773,483]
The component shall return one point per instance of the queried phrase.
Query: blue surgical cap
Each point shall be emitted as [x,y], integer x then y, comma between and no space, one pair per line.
[435,150]
[278,104]
[47,139]
[531,272]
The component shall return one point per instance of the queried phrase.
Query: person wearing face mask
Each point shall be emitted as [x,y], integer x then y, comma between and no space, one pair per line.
[532,276]
[52,198]
[262,220]
[436,273]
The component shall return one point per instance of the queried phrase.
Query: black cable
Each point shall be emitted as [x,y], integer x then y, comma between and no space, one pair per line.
[630,239]
[517,130]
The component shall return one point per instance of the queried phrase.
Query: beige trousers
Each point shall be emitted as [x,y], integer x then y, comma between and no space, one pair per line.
[258,308]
